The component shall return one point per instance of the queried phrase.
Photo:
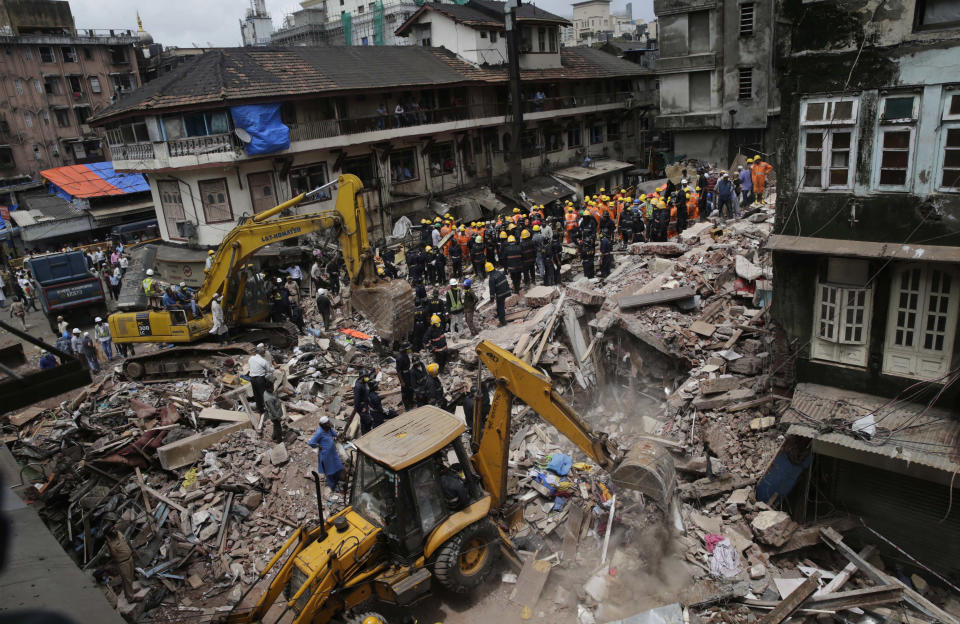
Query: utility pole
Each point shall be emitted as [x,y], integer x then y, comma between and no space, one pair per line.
[516,127]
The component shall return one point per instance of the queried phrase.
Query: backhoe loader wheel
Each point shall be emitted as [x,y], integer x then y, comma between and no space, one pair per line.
[468,558]
[368,617]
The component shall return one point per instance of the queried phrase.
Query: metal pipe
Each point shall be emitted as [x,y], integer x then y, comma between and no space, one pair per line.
[323,522]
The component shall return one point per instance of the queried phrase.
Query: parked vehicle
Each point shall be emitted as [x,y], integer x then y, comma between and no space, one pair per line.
[68,288]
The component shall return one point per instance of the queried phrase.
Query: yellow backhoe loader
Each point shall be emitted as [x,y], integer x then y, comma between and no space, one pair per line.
[400,531]
[388,304]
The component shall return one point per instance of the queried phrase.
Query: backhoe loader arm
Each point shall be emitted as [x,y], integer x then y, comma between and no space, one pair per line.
[647,467]
[516,378]
[247,237]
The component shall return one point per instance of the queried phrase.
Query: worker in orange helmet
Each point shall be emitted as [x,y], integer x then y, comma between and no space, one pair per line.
[758,175]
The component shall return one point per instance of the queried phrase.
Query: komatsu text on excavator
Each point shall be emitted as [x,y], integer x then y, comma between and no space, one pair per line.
[400,532]
[388,304]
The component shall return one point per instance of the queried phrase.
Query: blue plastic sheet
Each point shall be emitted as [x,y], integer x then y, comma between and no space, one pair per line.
[268,133]
[781,477]
[560,464]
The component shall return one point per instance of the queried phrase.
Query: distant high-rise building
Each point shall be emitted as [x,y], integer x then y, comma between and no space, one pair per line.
[257,26]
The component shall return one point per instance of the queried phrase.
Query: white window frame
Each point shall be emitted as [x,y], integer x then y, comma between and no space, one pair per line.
[916,361]
[950,122]
[841,347]
[895,125]
[828,125]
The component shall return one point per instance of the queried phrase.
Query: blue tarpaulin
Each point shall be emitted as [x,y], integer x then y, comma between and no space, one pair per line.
[268,133]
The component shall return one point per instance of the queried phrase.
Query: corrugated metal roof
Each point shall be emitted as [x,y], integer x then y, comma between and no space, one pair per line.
[906,431]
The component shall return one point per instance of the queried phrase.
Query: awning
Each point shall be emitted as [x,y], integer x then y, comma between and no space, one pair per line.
[543,190]
[109,212]
[54,228]
[862,249]
[93,180]
[910,432]
[597,169]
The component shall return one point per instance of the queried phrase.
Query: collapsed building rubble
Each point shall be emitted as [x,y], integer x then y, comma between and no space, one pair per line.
[675,346]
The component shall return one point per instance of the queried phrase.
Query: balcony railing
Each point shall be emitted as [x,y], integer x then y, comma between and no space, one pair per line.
[133,151]
[210,144]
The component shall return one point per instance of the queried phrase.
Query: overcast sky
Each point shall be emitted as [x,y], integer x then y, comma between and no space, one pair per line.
[184,23]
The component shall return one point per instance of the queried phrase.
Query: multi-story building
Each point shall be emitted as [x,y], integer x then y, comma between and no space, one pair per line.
[347,22]
[718,91]
[257,25]
[54,77]
[594,23]
[866,248]
[340,104]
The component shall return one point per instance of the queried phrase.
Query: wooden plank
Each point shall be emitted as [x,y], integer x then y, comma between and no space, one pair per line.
[529,586]
[733,339]
[739,407]
[792,602]
[188,450]
[143,490]
[660,296]
[162,498]
[222,415]
[548,330]
[26,416]
[868,596]
[917,601]
[848,571]
[571,533]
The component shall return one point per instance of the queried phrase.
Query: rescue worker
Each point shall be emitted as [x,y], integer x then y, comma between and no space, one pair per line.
[456,259]
[416,266]
[361,400]
[759,172]
[219,327]
[420,318]
[544,259]
[439,263]
[470,301]
[681,202]
[431,390]
[151,288]
[208,263]
[570,222]
[89,351]
[477,254]
[490,243]
[333,273]
[47,361]
[102,331]
[323,307]
[260,367]
[76,342]
[328,460]
[725,196]
[501,242]
[556,251]
[275,411]
[627,224]
[377,414]
[512,256]
[402,360]
[661,221]
[436,340]
[588,225]
[606,254]
[528,255]
[607,224]
[746,183]
[436,305]
[499,289]
[588,252]
[454,301]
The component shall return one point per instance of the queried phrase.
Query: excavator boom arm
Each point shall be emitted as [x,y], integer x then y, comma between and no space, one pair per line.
[647,467]
[245,239]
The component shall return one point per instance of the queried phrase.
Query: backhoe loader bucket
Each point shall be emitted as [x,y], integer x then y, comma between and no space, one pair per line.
[388,305]
[648,468]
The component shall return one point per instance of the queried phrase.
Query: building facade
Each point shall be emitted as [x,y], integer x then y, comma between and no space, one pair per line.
[346,22]
[257,25]
[718,92]
[593,22]
[865,252]
[414,123]
[54,77]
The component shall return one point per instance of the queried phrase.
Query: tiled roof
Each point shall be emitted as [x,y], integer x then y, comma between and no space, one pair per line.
[482,13]
[240,75]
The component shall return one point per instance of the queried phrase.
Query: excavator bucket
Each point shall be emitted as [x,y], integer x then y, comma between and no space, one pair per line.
[388,305]
[647,468]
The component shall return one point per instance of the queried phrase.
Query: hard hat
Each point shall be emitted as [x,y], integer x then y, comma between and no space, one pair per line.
[463,227]
[468,282]
[321,291]
[98,320]
[86,333]
[324,420]
[602,190]
[643,197]
[511,239]
[149,271]
[684,181]
[453,281]
[435,320]
[636,202]
[379,271]
[585,213]
[59,318]
[183,284]
[76,330]
[503,234]
[372,619]
[536,228]
[436,225]
[488,267]
[698,188]
[433,369]
[279,281]
[436,219]
[525,234]
[516,211]
[478,239]
[428,248]
[210,252]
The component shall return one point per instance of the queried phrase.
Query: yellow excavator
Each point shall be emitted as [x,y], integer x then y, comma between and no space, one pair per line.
[400,530]
[387,303]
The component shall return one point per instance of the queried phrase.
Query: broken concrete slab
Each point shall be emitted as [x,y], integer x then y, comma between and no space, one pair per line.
[773,527]
[581,292]
[541,295]
[659,249]
[279,454]
[733,396]
[213,413]
[716,385]
[655,298]
[190,449]
[703,329]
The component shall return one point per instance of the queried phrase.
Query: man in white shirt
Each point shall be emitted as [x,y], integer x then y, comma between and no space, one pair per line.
[219,327]
[260,367]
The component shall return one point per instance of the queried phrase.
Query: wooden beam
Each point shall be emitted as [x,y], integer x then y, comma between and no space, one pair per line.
[162,498]
[835,540]
[188,450]
[848,571]
[792,602]
[548,330]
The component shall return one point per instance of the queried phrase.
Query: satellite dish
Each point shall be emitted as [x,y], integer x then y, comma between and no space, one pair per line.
[242,134]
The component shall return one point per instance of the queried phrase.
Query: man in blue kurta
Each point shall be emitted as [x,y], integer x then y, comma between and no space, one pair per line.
[328,461]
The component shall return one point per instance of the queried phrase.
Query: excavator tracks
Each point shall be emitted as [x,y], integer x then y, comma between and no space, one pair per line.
[171,364]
